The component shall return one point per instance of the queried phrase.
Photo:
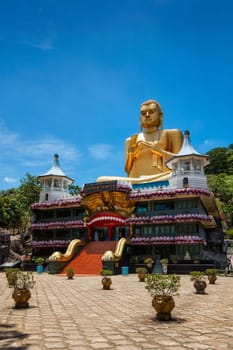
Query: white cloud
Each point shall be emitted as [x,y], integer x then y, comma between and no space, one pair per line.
[45,44]
[9,179]
[7,138]
[100,151]
[19,155]
[207,142]
[48,146]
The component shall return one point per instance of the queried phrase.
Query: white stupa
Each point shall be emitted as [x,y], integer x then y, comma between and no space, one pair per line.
[55,183]
[188,167]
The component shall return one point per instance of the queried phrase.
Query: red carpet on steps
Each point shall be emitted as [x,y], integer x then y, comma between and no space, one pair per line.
[88,261]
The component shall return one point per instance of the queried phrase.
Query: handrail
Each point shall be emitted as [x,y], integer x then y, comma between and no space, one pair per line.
[110,256]
[58,256]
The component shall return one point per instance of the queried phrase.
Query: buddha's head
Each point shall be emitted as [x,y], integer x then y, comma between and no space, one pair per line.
[151,114]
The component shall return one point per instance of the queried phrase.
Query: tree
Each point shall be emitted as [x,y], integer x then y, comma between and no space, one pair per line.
[222,187]
[74,189]
[15,204]
[10,211]
[29,190]
[218,161]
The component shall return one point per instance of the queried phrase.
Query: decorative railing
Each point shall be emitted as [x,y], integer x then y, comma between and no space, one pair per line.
[58,203]
[124,186]
[137,195]
[169,218]
[48,244]
[57,224]
[163,240]
[159,219]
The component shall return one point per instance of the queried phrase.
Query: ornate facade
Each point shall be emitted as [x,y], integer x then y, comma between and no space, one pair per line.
[174,218]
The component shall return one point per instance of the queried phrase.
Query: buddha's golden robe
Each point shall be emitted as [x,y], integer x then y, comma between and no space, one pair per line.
[149,157]
[146,159]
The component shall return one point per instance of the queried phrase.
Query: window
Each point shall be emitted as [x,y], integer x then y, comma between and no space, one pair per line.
[188,228]
[187,203]
[57,183]
[164,205]
[137,231]
[197,166]
[65,185]
[63,213]
[48,183]
[141,208]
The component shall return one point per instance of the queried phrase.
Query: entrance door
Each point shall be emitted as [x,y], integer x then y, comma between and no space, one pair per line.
[99,234]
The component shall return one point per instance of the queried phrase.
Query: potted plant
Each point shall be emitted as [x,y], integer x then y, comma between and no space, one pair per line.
[27,255]
[149,262]
[164,263]
[162,288]
[211,273]
[22,282]
[39,261]
[106,280]
[70,273]
[141,271]
[196,259]
[174,259]
[199,279]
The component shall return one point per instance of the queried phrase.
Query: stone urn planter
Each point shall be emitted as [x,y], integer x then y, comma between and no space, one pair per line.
[22,282]
[106,280]
[199,280]
[21,298]
[163,305]
[162,288]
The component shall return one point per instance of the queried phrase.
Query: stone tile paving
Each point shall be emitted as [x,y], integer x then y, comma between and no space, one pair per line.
[79,314]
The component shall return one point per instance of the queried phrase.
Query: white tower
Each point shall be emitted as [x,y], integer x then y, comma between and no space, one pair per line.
[55,184]
[188,167]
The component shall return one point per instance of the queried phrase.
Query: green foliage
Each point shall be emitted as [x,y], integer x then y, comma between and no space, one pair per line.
[229,233]
[219,161]
[158,284]
[29,190]
[69,272]
[148,261]
[211,271]
[141,270]
[19,279]
[39,260]
[10,211]
[105,272]
[74,189]
[15,204]
[220,179]
[222,187]
[164,261]
[197,275]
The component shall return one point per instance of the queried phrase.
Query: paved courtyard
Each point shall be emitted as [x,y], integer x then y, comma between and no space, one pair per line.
[79,314]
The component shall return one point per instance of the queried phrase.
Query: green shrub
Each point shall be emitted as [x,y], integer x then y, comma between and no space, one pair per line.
[105,272]
[159,284]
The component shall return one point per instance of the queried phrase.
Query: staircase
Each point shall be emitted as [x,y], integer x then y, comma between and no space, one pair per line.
[88,261]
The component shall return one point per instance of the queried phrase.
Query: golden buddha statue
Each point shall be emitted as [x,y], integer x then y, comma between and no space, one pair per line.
[146,153]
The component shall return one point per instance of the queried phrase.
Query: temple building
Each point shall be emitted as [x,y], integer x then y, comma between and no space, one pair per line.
[162,209]
[118,223]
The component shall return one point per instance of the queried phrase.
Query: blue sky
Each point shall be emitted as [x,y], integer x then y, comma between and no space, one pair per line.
[73,75]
